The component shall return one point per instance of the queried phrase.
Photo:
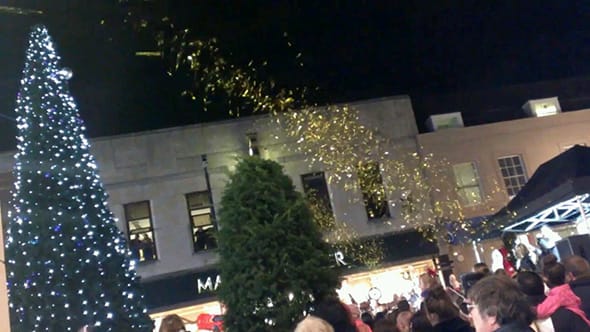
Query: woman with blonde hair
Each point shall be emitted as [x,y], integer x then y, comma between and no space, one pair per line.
[426,281]
[172,323]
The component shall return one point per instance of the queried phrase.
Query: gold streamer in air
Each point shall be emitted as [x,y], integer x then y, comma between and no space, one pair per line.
[419,187]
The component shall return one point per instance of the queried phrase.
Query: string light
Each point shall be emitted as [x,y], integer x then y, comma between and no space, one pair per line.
[67,262]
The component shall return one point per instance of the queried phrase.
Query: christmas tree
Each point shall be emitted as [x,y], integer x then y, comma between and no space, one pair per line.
[273,260]
[67,262]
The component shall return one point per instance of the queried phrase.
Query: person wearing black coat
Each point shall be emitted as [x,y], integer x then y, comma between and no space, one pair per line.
[442,312]
[577,270]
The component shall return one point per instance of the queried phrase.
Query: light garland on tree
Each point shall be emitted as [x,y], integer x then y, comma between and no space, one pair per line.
[68,264]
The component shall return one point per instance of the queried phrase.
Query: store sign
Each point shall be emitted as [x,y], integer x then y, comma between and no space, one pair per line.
[208,285]
[188,287]
[339,257]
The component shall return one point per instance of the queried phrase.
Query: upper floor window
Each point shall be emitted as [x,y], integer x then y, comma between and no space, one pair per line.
[371,185]
[315,187]
[140,231]
[513,173]
[201,218]
[467,182]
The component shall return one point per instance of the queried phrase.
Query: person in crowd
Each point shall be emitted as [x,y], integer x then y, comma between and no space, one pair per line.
[86,328]
[500,260]
[134,246]
[368,319]
[469,279]
[426,281]
[455,284]
[560,294]
[578,275]
[385,325]
[442,312]
[562,320]
[420,323]
[336,313]
[200,239]
[355,315]
[328,315]
[379,316]
[501,272]
[172,323]
[496,304]
[481,267]
[403,305]
[547,240]
[524,262]
[313,324]
[147,247]
[402,321]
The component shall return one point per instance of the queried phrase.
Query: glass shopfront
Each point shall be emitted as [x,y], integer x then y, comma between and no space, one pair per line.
[191,294]
[381,287]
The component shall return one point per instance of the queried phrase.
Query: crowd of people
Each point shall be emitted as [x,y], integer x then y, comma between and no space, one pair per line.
[551,296]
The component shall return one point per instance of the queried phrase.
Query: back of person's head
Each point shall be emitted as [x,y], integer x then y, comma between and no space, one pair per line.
[521,251]
[367,318]
[392,316]
[481,268]
[313,324]
[438,302]
[403,319]
[501,272]
[403,305]
[172,323]
[380,315]
[555,274]
[384,325]
[548,260]
[577,266]
[427,281]
[500,297]
[420,323]
[469,279]
[531,284]
[336,313]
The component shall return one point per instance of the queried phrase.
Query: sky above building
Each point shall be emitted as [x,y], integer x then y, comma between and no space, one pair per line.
[350,50]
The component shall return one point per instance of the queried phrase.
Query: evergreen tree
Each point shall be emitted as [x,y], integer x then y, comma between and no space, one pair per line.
[67,262]
[273,261]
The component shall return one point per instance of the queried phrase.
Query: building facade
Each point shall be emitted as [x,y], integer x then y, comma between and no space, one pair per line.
[492,162]
[165,186]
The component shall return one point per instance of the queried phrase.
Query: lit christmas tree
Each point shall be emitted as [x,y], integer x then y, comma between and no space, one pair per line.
[67,262]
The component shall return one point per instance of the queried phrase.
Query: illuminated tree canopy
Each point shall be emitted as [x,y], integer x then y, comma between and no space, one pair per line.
[67,262]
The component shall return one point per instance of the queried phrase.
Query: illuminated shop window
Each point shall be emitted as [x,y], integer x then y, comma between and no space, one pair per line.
[467,182]
[513,173]
[371,185]
[201,219]
[140,231]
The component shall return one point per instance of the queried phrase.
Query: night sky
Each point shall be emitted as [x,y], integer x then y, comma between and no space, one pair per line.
[350,50]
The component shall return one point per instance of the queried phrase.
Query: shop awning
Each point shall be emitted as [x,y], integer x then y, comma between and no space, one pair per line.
[557,193]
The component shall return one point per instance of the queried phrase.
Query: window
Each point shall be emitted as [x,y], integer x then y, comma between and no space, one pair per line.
[513,173]
[371,185]
[202,221]
[315,187]
[253,149]
[141,231]
[467,182]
